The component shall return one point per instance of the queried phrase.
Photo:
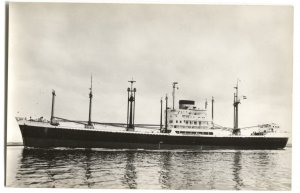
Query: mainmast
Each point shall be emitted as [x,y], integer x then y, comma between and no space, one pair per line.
[173,93]
[90,125]
[131,106]
[236,102]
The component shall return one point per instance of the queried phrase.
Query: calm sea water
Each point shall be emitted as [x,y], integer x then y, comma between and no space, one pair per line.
[175,169]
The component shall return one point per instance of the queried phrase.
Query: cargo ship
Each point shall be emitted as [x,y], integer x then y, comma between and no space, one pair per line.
[185,127]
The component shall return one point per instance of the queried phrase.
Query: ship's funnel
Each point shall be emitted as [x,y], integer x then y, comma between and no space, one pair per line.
[183,104]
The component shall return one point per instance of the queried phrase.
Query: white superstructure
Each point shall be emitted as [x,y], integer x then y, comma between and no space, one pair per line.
[189,119]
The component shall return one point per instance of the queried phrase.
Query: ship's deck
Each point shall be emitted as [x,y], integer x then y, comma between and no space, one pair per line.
[146,131]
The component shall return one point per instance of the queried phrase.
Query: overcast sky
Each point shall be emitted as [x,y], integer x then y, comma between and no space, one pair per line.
[205,48]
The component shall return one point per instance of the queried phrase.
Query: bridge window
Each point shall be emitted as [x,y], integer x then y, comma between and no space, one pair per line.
[210,133]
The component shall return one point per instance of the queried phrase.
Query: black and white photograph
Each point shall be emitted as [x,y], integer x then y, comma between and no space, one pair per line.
[149,96]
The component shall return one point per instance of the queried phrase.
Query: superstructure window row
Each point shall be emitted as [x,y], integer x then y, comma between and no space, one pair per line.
[194,133]
[191,122]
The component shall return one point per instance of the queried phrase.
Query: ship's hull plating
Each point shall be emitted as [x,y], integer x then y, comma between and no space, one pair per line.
[34,136]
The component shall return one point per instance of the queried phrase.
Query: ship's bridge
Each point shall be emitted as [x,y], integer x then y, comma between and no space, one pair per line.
[188,116]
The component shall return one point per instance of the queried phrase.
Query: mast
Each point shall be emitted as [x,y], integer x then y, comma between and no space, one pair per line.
[90,105]
[236,102]
[134,101]
[131,102]
[166,117]
[173,93]
[161,111]
[52,109]
[234,112]
[128,90]
[205,104]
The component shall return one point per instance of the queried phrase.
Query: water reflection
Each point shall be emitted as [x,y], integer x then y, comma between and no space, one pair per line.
[264,158]
[46,167]
[164,177]
[130,173]
[33,164]
[87,167]
[203,170]
[41,157]
[192,169]
[237,167]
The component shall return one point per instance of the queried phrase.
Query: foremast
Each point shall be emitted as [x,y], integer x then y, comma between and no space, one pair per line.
[52,120]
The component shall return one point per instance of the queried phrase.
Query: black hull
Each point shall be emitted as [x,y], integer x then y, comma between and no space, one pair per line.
[34,136]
